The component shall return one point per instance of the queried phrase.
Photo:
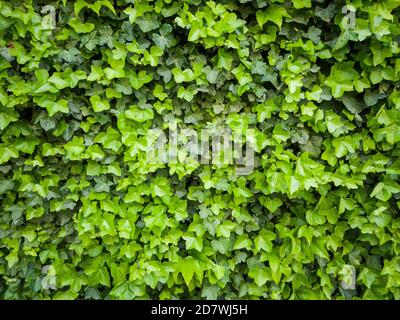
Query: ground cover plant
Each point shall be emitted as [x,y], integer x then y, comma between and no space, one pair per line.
[86,213]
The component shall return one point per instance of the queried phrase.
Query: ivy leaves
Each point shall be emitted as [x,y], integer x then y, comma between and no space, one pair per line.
[342,78]
[89,214]
[273,13]
[99,104]
[164,38]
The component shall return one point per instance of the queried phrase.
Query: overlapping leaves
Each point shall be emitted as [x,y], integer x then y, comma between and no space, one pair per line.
[84,214]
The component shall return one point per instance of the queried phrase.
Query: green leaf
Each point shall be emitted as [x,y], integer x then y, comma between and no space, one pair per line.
[273,13]
[6,117]
[196,31]
[99,104]
[75,146]
[314,218]
[147,22]
[188,266]
[242,75]
[193,242]
[102,184]
[224,59]
[140,115]
[57,106]
[342,78]
[242,242]
[161,187]
[6,153]
[81,27]
[224,229]
[298,4]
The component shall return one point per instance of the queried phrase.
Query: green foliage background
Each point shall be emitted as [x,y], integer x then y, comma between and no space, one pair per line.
[83,213]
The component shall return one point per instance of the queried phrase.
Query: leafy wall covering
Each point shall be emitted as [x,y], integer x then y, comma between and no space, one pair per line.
[85,214]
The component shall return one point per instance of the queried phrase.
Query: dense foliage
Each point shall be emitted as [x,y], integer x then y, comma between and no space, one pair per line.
[85,215]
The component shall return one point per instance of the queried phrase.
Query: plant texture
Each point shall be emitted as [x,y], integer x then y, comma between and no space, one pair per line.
[85,212]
